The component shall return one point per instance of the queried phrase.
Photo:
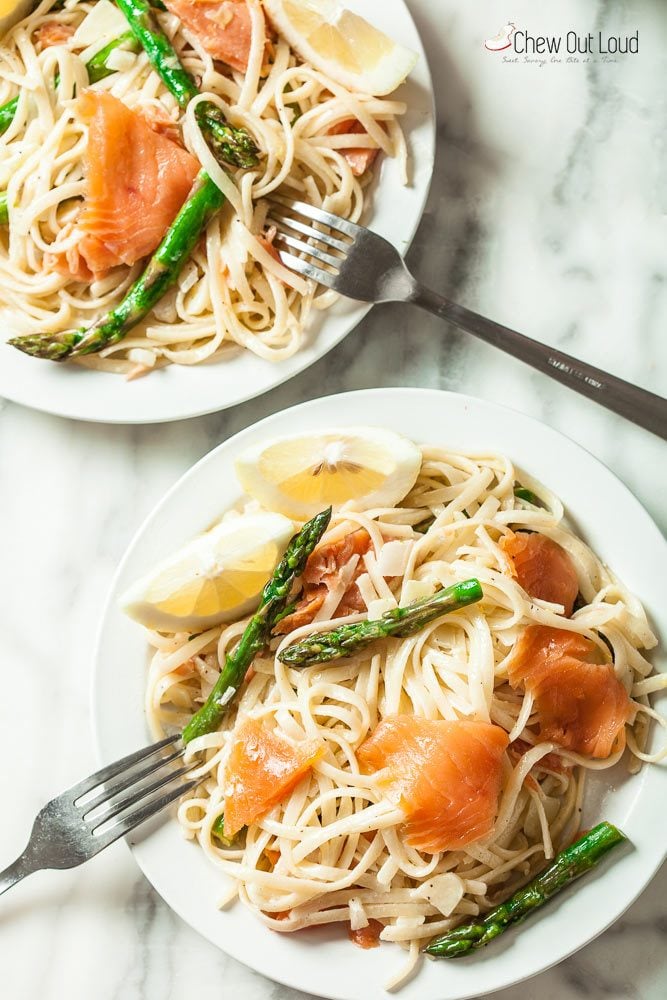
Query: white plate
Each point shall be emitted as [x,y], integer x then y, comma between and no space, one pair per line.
[177,391]
[607,516]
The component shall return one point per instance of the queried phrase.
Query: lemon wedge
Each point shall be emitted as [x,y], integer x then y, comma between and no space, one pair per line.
[302,474]
[342,44]
[11,12]
[217,576]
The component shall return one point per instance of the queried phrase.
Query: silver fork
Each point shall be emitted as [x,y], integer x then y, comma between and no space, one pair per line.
[362,265]
[91,815]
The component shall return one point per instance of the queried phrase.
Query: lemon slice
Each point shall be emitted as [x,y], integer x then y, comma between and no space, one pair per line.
[302,474]
[11,12]
[215,577]
[342,44]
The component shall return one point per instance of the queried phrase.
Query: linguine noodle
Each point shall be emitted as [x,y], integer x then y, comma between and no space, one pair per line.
[332,851]
[233,290]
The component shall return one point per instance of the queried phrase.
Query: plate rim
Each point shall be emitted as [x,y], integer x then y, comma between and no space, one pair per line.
[307,356]
[649,862]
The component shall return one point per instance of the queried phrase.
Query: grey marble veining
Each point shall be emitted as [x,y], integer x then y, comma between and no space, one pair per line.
[546,212]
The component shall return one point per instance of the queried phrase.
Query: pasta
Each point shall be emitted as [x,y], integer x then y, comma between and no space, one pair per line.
[332,851]
[234,290]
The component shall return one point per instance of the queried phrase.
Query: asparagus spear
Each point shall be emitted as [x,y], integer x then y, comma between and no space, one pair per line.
[350,639]
[97,66]
[162,271]
[4,212]
[567,866]
[523,493]
[258,630]
[7,112]
[228,144]
[218,831]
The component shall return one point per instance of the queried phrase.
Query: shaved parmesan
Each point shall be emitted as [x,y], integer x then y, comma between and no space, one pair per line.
[228,896]
[366,589]
[358,918]
[377,608]
[443,891]
[141,356]
[393,558]
[104,22]
[120,60]
[415,590]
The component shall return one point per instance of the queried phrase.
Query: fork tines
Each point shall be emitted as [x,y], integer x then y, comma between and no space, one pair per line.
[334,222]
[329,238]
[75,826]
[101,804]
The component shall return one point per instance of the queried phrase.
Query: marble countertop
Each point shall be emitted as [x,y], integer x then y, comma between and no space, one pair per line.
[545,214]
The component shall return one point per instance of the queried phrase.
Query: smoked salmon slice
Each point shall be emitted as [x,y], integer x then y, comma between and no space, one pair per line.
[447,777]
[321,574]
[262,769]
[137,180]
[543,568]
[53,33]
[367,937]
[223,27]
[359,158]
[581,704]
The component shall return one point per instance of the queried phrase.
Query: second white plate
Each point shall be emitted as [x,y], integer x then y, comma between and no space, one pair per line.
[323,961]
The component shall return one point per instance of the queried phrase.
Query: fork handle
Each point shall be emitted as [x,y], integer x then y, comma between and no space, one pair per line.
[21,867]
[638,405]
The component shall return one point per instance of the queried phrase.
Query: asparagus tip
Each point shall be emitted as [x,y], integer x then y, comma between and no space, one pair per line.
[568,865]
[229,144]
[470,591]
[43,345]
